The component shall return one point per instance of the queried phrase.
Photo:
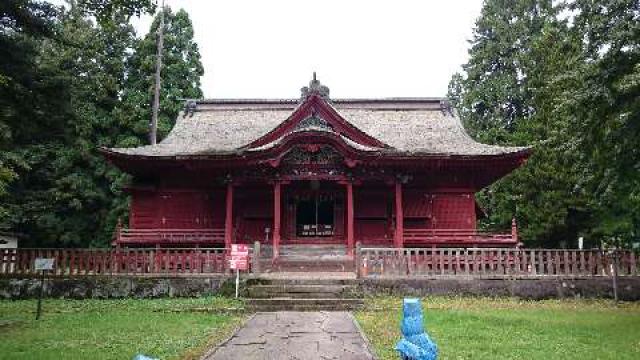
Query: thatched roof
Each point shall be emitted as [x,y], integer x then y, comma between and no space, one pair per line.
[409,126]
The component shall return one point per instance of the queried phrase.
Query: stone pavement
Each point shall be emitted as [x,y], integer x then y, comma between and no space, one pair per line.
[296,335]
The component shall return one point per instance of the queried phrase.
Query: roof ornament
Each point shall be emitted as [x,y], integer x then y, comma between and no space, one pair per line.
[190,106]
[314,122]
[315,87]
[445,107]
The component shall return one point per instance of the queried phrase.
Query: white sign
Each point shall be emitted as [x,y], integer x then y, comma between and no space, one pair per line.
[238,264]
[239,250]
[44,264]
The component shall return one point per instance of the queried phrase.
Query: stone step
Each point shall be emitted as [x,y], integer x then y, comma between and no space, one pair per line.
[293,304]
[302,291]
[305,250]
[307,264]
[305,278]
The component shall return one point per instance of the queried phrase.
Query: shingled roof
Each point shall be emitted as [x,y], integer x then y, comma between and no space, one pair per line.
[407,126]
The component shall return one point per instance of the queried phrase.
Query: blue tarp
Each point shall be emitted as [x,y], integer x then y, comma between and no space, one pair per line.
[416,344]
[144,357]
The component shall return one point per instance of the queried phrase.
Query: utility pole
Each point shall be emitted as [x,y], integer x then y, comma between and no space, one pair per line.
[156,95]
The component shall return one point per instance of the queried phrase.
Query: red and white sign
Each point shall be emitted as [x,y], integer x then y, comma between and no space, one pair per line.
[239,257]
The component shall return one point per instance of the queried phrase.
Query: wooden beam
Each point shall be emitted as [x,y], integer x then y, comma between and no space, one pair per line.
[277,187]
[399,235]
[228,220]
[350,235]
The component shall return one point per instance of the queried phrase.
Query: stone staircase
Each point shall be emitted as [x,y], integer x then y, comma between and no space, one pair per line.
[307,258]
[313,292]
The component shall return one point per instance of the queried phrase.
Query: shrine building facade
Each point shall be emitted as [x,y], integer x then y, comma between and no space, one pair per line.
[396,172]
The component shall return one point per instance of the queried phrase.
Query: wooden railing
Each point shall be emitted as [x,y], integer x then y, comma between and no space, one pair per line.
[458,237]
[72,262]
[494,262]
[132,237]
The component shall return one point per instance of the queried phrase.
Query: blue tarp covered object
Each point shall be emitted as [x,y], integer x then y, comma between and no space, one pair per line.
[416,343]
[144,357]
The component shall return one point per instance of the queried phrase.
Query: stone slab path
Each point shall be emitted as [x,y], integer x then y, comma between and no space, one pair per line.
[296,335]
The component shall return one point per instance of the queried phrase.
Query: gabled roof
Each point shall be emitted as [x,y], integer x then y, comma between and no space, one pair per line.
[393,126]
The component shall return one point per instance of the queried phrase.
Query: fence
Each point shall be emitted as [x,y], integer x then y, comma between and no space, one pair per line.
[70,262]
[405,262]
[494,262]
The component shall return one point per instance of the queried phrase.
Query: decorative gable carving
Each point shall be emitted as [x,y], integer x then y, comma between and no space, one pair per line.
[316,113]
[312,160]
[313,122]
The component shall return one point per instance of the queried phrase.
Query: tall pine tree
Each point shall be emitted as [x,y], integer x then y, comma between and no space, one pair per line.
[506,95]
[181,72]
[604,112]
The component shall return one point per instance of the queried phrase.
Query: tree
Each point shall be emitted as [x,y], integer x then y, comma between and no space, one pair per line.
[507,95]
[181,72]
[65,195]
[26,90]
[604,111]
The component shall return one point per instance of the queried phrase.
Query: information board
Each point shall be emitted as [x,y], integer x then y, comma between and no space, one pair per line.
[239,257]
[44,264]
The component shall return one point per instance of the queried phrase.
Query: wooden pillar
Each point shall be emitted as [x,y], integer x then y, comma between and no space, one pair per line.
[350,237]
[399,235]
[277,187]
[228,220]
[514,231]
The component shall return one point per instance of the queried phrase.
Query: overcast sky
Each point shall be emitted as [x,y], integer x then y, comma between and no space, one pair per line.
[358,48]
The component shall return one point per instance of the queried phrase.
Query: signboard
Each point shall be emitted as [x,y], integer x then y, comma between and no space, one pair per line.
[44,264]
[239,257]
[239,261]
[239,250]
[238,264]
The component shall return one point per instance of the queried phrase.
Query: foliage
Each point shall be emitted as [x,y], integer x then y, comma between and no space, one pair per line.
[67,95]
[527,83]
[181,72]
[114,329]
[485,328]
[604,110]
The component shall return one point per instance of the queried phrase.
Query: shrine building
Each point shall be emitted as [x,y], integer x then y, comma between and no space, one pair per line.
[394,172]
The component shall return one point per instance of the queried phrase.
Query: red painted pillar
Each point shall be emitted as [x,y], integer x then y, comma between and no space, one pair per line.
[399,235]
[277,186]
[514,231]
[228,220]
[350,237]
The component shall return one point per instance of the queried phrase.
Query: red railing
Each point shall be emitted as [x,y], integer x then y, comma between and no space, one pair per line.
[494,262]
[71,262]
[456,237]
[132,237]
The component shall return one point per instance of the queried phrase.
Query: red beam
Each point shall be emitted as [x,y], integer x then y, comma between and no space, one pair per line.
[228,220]
[399,235]
[350,241]
[276,219]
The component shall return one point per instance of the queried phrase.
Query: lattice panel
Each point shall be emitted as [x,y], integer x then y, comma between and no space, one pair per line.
[254,204]
[371,230]
[144,212]
[416,204]
[186,210]
[370,204]
[250,230]
[453,211]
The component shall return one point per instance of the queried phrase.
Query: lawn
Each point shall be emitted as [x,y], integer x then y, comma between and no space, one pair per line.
[482,328]
[114,329]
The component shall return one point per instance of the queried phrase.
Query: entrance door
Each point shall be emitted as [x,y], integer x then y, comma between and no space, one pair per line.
[315,214]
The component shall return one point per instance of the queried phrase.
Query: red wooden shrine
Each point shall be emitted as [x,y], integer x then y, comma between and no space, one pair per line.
[396,172]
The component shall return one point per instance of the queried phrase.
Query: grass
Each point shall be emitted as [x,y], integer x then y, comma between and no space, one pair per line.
[114,329]
[483,328]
